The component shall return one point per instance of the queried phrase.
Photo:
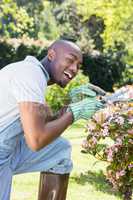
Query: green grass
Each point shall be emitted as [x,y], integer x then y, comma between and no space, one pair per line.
[87,180]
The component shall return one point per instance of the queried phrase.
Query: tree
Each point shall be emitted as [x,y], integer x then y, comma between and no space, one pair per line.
[68,21]
[96,27]
[105,69]
[117,15]
[14,21]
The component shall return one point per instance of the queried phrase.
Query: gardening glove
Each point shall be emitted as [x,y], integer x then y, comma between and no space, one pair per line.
[83,91]
[84,109]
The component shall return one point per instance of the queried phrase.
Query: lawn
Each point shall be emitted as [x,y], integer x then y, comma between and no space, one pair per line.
[87,180]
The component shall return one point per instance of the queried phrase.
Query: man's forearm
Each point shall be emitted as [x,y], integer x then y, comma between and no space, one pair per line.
[51,130]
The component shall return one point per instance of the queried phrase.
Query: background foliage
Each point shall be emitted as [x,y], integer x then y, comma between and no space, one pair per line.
[103,30]
[14,20]
[61,94]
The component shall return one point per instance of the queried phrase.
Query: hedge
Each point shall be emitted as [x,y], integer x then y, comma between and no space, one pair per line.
[13,50]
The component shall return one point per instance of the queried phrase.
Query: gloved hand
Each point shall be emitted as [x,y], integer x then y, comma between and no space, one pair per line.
[83,91]
[85,109]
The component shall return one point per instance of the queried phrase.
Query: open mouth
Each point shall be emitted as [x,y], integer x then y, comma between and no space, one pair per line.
[68,75]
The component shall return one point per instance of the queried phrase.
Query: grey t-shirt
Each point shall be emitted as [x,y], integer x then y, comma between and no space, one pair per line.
[21,81]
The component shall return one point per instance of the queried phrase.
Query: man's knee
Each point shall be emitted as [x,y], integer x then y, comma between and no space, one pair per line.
[64,164]
[66,145]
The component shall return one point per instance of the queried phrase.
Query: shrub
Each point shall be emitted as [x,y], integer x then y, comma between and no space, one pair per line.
[114,122]
[13,50]
[7,53]
[58,97]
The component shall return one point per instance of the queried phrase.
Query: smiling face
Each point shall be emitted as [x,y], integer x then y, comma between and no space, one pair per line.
[65,61]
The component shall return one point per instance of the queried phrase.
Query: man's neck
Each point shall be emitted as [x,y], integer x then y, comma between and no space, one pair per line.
[46,65]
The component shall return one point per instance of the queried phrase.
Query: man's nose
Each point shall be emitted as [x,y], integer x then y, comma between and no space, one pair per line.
[74,68]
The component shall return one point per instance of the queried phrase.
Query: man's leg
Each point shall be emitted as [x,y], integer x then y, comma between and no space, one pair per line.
[5,182]
[54,159]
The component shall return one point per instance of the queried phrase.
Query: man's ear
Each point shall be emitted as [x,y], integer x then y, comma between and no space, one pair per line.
[51,54]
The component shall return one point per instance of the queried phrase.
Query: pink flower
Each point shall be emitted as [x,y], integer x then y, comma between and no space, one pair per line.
[119,141]
[105,131]
[85,144]
[120,173]
[130,166]
[119,120]
[105,124]
[110,155]
[115,148]
[106,114]
[130,131]
[117,175]
[94,140]
[130,120]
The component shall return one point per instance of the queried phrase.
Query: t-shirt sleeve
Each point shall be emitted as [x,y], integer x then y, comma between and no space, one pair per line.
[30,87]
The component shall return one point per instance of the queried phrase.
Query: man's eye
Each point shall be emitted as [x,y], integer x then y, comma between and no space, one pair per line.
[69,60]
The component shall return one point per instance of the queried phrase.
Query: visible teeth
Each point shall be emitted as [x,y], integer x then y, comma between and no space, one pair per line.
[68,74]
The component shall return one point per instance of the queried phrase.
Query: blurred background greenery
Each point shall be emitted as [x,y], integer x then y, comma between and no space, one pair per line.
[103,30]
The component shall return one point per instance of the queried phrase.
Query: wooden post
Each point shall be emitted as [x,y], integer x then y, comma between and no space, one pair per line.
[53,186]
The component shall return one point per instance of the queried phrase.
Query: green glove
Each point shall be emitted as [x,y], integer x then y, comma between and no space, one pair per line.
[84,109]
[83,91]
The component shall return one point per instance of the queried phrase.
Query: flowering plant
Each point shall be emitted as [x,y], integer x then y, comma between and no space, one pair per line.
[115,122]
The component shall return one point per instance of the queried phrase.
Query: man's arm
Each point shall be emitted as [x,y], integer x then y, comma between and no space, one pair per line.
[37,131]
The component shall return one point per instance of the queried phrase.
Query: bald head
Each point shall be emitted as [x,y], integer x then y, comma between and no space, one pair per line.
[64,43]
[60,45]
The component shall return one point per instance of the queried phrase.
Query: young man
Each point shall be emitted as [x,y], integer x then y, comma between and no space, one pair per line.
[29,142]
